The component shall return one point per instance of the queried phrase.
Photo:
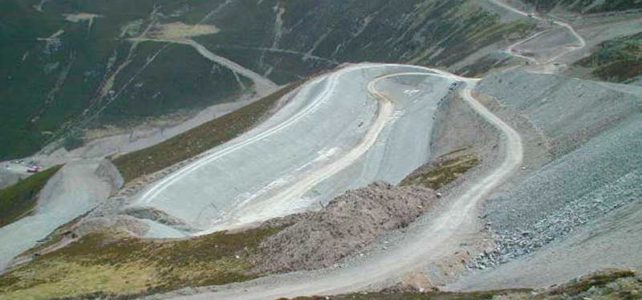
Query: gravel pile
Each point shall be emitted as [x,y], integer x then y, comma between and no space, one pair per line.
[348,224]
[595,171]
[568,111]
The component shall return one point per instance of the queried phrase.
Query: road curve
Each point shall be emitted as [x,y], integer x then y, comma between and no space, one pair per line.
[384,114]
[303,154]
[438,238]
[511,49]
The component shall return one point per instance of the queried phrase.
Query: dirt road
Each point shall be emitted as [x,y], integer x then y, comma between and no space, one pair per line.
[279,200]
[581,42]
[437,238]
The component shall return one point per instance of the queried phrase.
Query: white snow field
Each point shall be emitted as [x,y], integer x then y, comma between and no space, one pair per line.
[332,136]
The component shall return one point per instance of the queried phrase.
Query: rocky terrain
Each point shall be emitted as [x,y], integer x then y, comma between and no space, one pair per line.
[359,177]
[609,284]
[593,165]
[347,225]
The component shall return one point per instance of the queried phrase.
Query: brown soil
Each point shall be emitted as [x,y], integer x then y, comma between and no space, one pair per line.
[348,224]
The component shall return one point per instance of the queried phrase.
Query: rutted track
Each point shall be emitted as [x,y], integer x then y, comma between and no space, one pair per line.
[581,42]
[325,131]
[438,238]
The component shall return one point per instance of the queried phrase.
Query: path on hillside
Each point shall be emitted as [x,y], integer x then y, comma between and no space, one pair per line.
[581,42]
[263,85]
[437,239]
[302,186]
[305,149]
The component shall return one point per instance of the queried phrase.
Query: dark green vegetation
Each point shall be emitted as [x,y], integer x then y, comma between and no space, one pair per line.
[612,284]
[103,265]
[587,6]
[196,140]
[359,30]
[19,199]
[618,60]
[89,76]
[441,172]
[89,73]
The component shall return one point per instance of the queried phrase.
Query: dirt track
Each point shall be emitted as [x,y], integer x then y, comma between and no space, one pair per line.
[438,238]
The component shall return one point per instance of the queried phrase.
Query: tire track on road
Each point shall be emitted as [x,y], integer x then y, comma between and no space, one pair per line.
[439,238]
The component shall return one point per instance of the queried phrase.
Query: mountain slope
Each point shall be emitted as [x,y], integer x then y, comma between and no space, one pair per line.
[69,65]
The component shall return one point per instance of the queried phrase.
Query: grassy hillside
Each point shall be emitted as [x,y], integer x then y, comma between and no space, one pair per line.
[197,140]
[587,6]
[19,199]
[103,266]
[57,74]
[430,32]
[618,60]
[610,284]
[69,65]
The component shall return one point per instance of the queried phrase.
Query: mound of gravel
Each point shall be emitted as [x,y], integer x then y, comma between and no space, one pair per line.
[595,131]
[348,224]
[567,111]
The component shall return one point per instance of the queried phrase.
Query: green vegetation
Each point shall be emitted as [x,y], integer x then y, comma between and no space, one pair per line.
[586,6]
[442,172]
[609,282]
[19,199]
[73,140]
[52,86]
[618,60]
[100,264]
[105,80]
[614,284]
[196,140]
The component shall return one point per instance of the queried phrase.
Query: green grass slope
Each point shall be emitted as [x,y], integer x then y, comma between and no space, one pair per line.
[618,60]
[587,6]
[49,87]
[59,77]
[103,266]
[19,199]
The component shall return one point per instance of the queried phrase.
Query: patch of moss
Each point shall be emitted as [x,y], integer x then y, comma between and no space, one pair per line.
[19,199]
[196,140]
[103,264]
[442,172]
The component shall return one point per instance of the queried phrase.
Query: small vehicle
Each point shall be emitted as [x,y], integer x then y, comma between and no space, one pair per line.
[33,169]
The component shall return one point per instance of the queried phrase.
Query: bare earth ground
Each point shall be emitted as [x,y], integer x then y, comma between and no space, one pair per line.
[442,234]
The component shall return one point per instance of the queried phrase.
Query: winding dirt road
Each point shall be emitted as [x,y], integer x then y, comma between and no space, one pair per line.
[438,238]
[384,114]
[581,42]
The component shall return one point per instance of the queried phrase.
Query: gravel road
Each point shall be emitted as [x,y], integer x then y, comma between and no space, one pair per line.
[437,238]
[331,137]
